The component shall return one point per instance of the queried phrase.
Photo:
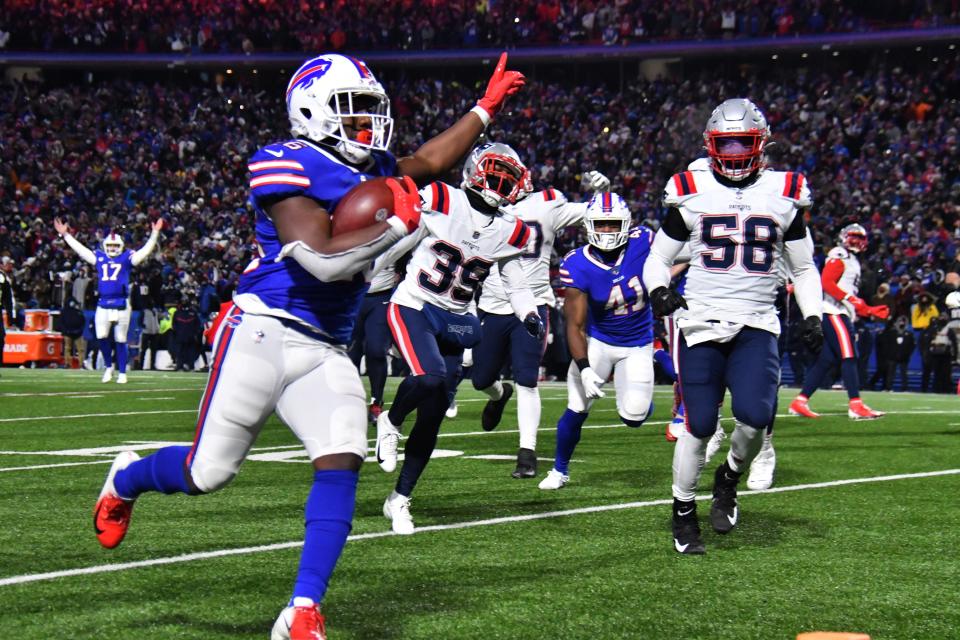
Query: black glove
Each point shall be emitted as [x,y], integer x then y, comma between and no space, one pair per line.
[534,325]
[811,333]
[665,301]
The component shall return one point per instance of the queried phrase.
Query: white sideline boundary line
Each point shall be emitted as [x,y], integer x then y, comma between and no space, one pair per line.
[221,553]
[103,390]
[54,466]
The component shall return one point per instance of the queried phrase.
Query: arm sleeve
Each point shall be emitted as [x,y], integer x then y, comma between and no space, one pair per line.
[397,251]
[144,252]
[675,226]
[344,265]
[663,252]
[806,280]
[85,254]
[570,213]
[832,272]
[521,298]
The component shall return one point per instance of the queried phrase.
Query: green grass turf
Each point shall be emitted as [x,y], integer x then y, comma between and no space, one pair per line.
[879,558]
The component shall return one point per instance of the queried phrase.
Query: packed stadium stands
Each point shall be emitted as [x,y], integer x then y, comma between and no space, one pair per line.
[247,26]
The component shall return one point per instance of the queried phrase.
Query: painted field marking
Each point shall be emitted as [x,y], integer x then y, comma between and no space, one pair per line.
[221,553]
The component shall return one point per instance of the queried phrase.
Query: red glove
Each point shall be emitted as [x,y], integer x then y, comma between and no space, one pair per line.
[881,312]
[502,83]
[406,202]
[861,307]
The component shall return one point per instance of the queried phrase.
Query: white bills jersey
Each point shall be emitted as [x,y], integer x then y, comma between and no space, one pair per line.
[545,213]
[456,248]
[849,281]
[736,238]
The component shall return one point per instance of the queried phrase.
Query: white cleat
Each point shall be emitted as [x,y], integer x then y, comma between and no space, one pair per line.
[762,467]
[452,410]
[397,508]
[121,378]
[715,442]
[554,480]
[388,440]
[107,374]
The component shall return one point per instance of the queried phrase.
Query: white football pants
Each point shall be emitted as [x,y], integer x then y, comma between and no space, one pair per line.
[632,369]
[118,318]
[261,366]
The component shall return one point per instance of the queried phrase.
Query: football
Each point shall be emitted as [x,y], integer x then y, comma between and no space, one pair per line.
[366,204]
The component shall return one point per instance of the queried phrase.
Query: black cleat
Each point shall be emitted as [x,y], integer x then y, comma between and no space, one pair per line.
[724,511]
[493,410]
[526,464]
[686,529]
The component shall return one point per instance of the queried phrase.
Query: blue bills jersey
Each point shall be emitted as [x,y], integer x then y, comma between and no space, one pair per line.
[617,309]
[283,288]
[113,279]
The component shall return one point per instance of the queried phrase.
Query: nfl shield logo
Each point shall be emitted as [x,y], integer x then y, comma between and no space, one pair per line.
[476,234]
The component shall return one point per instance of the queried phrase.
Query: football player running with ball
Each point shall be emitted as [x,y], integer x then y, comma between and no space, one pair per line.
[281,347]
[740,220]
[609,325]
[113,266]
[463,235]
[545,213]
[841,306]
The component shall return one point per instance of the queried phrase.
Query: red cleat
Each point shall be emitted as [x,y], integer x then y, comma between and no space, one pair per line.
[860,411]
[111,515]
[799,407]
[308,624]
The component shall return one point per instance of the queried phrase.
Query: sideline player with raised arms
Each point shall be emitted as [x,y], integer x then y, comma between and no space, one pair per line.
[740,220]
[545,213]
[282,346]
[463,235]
[609,325]
[113,266]
[841,306]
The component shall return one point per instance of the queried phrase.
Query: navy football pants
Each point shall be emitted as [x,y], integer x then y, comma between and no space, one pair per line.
[748,365]
[505,335]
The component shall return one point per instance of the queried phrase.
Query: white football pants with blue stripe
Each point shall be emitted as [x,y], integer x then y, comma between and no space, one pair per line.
[632,369]
[262,366]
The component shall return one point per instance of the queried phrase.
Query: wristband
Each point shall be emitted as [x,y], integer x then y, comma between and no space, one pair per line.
[582,363]
[482,114]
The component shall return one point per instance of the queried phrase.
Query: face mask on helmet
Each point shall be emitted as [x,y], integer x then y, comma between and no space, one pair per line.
[607,220]
[495,173]
[854,238]
[113,245]
[735,138]
[336,100]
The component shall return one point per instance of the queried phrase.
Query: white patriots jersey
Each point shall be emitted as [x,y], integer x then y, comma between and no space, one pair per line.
[848,282]
[545,213]
[456,249]
[736,246]
[384,280]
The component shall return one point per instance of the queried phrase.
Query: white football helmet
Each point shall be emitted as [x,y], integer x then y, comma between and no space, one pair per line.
[736,136]
[953,300]
[113,245]
[854,238]
[329,88]
[607,207]
[495,172]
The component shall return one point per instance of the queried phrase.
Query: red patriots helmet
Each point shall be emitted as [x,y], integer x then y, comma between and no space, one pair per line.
[495,172]
[735,137]
[854,238]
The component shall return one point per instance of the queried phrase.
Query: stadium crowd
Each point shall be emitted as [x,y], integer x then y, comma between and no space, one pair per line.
[879,147]
[207,26]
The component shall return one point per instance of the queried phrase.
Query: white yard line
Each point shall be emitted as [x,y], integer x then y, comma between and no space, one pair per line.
[105,390]
[54,466]
[96,415]
[206,555]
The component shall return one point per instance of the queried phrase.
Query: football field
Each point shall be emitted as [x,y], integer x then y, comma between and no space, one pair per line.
[861,531]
